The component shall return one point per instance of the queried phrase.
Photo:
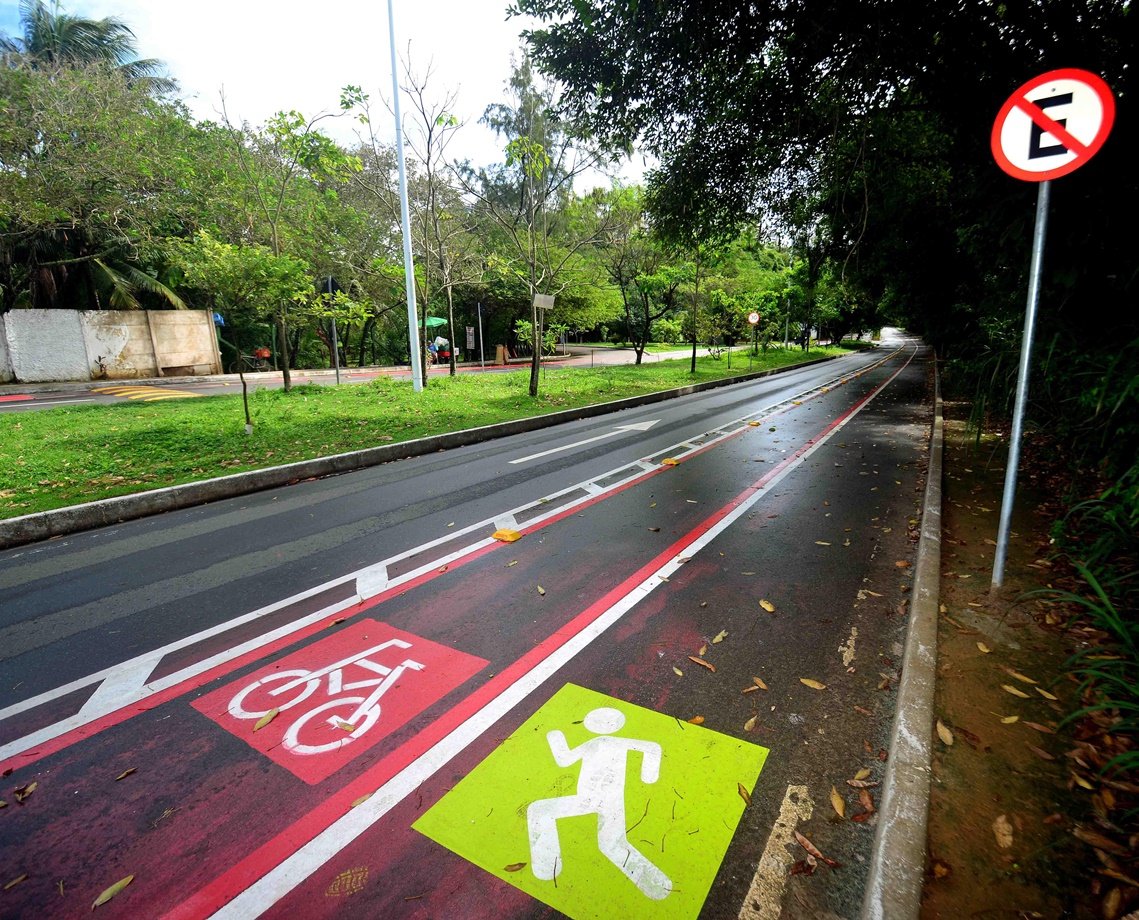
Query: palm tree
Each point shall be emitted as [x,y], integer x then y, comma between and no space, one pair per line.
[53,38]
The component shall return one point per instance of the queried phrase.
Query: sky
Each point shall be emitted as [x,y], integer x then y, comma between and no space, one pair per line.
[272,56]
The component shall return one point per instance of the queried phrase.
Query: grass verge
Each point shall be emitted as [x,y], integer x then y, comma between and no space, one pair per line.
[59,457]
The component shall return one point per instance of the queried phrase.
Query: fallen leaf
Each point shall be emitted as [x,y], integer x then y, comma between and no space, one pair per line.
[514,867]
[506,535]
[1045,693]
[902,564]
[1008,720]
[346,727]
[940,869]
[541,590]
[821,543]
[1040,752]
[16,881]
[1021,677]
[1002,830]
[752,689]
[1082,783]
[703,651]
[759,683]
[814,850]
[862,774]
[876,594]
[696,720]
[767,605]
[677,671]
[125,774]
[1100,842]
[670,461]
[511,564]
[744,794]
[837,803]
[266,719]
[720,636]
[112,891]
[813,684]
[655,529]
[361,800]
[22,792]
[1008,688]
[983,648]
[702,663]
[944,733]
[749,725]
[1043,729]
[863,783]
[866,800]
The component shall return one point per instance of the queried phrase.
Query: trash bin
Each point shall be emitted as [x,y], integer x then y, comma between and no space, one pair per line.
[499,354]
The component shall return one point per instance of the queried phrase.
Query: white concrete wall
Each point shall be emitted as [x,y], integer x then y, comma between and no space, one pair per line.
[185,342]
[45,345]
[56,345]
[5,362]
[118,344]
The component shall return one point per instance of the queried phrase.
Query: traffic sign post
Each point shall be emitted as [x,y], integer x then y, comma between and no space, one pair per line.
[1049,127]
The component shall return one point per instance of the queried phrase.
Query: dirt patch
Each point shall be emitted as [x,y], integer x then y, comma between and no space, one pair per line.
[1007,795]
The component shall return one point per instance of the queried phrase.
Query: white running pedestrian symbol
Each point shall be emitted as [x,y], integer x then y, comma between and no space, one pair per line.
[600,791]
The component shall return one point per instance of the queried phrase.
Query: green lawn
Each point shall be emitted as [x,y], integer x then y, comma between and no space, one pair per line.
[65,456]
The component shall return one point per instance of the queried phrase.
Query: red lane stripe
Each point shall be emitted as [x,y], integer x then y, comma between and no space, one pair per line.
[272,853]
[17,397]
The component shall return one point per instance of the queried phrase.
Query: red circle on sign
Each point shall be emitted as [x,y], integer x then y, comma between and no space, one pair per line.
[753,318]
[1082,150]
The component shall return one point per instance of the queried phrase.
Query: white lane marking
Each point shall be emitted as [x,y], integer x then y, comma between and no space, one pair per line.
[764,899]
[620,429]
[279,881]
[128,683]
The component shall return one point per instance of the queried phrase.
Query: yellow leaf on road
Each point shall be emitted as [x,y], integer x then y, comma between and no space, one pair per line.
[677,671]
[541,590]
[1008,688]
[125,773]
[862,774]
[1045,693]
[749,725]
[1008,720]
[1021,677]
[696,720]
[944,733]
[1002,830]
[670,461]
[361,800]
[514,867]
[821,543]
[744,794]
[813,684]
[16,881]
[720,636]
[112,891]
[983,648]
[837,803]
[506,535]
[702,663]
[266,719]
[759,683]
[767,605]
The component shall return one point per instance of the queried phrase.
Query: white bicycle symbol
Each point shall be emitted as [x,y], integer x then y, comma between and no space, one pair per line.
[347,728]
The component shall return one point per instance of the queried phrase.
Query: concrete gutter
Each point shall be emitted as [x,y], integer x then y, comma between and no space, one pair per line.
[897,861]
[31,528]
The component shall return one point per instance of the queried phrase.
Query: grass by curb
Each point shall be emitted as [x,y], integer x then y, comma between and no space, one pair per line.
[61,457]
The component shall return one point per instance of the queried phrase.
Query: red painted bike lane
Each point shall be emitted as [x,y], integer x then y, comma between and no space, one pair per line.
[196,801]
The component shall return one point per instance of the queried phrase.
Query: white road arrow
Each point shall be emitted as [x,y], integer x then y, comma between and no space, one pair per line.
[639,426]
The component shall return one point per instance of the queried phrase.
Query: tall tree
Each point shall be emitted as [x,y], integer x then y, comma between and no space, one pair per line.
[52,38]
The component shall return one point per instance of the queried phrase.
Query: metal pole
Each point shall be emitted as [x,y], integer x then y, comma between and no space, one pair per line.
[482,359]
[1042,198]
[335,337]
[405,217]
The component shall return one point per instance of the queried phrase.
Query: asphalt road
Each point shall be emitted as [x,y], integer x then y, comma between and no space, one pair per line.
[562,718]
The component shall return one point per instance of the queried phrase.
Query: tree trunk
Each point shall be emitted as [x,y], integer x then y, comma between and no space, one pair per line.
[283,351]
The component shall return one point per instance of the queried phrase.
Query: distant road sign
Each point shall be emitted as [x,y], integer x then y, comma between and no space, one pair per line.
[753,317]
[1053,125]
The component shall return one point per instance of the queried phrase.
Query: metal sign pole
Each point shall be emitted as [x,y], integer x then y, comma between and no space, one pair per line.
[482,359]
[1035,271]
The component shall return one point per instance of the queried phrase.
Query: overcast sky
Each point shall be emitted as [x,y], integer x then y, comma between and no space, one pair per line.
[274,55]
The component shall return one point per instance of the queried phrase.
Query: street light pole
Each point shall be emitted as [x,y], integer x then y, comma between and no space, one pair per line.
[405,219]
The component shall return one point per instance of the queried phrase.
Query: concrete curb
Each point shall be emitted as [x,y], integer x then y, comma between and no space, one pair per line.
[897,861]
[31,528]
